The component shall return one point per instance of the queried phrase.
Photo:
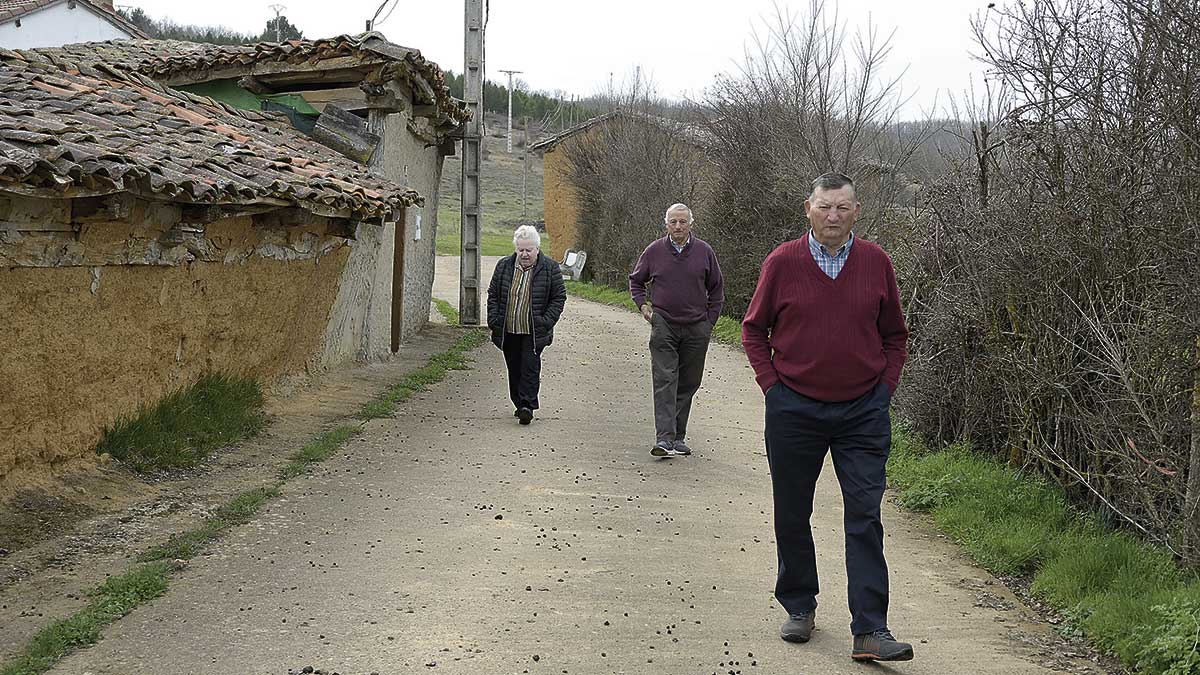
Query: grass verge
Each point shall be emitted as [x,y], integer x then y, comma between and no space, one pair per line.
[118,596]
[434,370]
[1125,596]
[112,600]
[491,242]
[728,330]
[183,428]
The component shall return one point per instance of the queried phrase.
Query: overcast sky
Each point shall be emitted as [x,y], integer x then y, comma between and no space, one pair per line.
[574,46]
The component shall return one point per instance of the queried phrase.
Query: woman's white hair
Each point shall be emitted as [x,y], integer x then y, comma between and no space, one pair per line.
[527,233]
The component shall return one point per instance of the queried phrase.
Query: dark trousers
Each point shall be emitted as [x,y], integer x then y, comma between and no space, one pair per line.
[858,433]
[524,370]
[677,353]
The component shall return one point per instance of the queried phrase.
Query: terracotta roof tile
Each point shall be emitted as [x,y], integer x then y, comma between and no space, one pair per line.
[164,59]
[66,133]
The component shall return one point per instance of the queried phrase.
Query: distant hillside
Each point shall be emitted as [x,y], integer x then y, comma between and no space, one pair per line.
[500,182]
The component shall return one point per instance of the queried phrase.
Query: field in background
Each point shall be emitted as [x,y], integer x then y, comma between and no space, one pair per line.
[501,184]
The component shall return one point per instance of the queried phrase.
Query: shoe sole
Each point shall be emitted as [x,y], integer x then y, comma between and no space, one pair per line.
[662,452]
[792,637]
[868,656]
[525,419]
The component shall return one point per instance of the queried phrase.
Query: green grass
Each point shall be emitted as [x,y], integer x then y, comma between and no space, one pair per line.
[112,600]
[491,242]
[727,331]
[183,428]
[1126,596]
[447,310]
[319,449]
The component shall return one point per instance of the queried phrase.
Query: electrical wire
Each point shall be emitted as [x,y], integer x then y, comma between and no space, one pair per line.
[385,17]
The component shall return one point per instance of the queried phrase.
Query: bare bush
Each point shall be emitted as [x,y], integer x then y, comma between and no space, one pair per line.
[1052,290]
[807,100]
[626,169]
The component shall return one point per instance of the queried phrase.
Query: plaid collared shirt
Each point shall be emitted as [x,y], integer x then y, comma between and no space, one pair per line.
[519,310]
[830,263]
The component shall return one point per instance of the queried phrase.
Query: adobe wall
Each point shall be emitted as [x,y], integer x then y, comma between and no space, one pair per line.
[559,202]
[85,344]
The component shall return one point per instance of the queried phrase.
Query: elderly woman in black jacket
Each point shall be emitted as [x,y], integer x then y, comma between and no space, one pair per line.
[525,299]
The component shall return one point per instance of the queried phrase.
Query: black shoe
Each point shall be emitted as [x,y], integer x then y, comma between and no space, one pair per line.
[880,646]
[663,449]
[799,627]
[525,415]
[681,448]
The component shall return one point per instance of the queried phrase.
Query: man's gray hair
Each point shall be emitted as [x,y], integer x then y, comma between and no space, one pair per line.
[527,233]
[832,181]
[678,207]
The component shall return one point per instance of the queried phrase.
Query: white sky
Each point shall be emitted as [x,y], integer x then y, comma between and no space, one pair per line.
[573,46]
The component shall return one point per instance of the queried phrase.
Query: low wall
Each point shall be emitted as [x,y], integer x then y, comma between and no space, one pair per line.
[84,345]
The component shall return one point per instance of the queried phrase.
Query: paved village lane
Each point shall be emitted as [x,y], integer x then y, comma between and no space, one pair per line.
[449,539]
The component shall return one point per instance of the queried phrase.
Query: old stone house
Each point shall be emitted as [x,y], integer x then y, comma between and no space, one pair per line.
[562,206]
[149,235]
[378,103]
[25,24]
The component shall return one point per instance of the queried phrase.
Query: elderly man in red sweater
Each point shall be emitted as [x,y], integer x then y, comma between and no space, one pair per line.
[825,335]
[686,296]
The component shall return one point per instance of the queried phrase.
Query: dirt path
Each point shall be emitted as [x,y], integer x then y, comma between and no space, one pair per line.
[450,539]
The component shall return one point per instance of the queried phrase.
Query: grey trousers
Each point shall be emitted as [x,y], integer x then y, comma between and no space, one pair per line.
[677,354]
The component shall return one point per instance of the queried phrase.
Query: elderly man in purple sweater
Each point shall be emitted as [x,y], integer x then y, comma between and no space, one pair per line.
[686,295]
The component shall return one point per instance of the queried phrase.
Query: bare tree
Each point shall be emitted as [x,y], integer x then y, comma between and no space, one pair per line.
[1055,315]
[809,98]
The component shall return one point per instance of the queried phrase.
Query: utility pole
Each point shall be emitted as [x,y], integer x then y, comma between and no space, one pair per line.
[278,11]
[472,159]
[525,174]
[510,85]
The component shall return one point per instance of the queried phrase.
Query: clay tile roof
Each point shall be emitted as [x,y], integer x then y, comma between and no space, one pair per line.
[15,9]
[686,132]
[168,59]
[77,131]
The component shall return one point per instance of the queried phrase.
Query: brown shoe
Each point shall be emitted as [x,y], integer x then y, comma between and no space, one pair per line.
[798,627]
[880,646]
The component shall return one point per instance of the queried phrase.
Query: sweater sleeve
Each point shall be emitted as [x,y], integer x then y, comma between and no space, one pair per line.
[893,330]
[639,277]
[756,327]
[715,284]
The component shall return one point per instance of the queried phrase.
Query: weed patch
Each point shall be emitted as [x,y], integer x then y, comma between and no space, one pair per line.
[187,425]
[112,600]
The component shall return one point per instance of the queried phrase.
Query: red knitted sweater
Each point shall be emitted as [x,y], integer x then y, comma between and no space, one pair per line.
[829,339]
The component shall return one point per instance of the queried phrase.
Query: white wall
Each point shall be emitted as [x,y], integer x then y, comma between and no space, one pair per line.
[58,25]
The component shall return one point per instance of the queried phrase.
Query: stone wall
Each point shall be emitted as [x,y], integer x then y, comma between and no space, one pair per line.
[409,156]
[84,344]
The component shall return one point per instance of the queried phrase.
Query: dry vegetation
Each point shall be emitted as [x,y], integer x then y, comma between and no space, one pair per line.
[1048,262]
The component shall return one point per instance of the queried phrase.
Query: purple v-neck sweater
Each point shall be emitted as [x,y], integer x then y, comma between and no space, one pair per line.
[685,286]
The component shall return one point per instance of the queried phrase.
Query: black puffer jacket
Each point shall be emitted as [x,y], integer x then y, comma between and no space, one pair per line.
[547,293]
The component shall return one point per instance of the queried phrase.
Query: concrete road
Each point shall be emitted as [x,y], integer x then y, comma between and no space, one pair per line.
[449,539]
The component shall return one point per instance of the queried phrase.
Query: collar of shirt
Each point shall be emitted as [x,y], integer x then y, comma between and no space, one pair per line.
[818,249]
[679,247]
